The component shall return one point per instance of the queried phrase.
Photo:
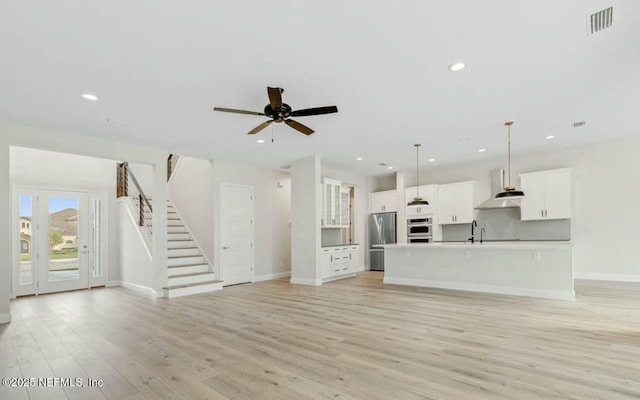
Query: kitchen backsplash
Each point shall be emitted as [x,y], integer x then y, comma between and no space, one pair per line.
[333,237]
[505,224]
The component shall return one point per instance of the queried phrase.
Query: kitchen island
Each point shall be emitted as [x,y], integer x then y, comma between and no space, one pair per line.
[533,269]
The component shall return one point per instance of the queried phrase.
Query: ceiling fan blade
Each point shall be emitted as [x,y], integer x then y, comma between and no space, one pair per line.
[231,110]
[260,127]
[314,111]
[275,97]
[299,127]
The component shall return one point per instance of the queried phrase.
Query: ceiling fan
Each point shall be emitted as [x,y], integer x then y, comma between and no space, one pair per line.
[280,112]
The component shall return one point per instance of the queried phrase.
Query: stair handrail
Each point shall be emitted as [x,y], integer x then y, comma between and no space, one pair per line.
[124,174]
[172,161]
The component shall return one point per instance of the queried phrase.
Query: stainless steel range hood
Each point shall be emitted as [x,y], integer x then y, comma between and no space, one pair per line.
[497,185]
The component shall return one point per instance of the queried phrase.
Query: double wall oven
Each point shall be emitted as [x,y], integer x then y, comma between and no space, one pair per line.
[420,230]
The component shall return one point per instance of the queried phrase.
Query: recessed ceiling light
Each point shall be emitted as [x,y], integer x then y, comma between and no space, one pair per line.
[549,137]
[89,96]
[432,159]
[359,158]
[481,150]
[260,140]
[456,67]
[465,139]
[389,167]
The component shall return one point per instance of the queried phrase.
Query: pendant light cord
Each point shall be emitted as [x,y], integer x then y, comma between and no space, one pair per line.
[509,152]
[417,171]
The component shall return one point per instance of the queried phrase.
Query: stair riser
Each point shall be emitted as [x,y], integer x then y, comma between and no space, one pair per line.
[183,252]
[180,244]
[178,236]
[185,261]
[193,269]
[171,293]
[176,229]
[186,280]
[174,222]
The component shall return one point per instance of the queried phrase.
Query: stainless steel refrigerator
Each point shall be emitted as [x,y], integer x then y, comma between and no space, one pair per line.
[382,230]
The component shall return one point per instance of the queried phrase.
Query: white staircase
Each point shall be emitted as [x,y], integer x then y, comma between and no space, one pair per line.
[189,270]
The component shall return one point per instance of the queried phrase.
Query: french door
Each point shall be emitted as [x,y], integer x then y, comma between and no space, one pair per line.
[60,241]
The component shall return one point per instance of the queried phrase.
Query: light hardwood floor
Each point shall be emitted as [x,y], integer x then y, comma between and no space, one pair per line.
[350,339]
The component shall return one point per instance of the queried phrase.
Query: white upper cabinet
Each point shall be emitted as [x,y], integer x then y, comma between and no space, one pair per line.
[332,204]
[380,202]
[427,192]
[547,195]
[345,203]
[455,203]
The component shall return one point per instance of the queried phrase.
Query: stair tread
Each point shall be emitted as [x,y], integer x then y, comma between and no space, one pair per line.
[181,240]
[191,285]
[187,265]
[193,274]
[184,248]
[197,255]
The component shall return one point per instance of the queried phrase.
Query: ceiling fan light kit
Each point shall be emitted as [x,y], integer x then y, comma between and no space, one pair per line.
[281,112]
[417,201]
[509,191]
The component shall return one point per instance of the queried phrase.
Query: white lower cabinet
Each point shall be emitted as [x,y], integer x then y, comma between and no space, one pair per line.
[339,261]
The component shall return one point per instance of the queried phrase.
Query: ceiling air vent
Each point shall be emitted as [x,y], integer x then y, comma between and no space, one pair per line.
[578,124]
[600,20]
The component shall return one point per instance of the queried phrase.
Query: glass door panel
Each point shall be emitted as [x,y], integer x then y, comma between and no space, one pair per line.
[63,261]
[25,268]
[97,226]
[64,247]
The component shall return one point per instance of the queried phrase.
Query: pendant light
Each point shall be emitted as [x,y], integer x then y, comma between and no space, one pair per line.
[509,191]
[417,201]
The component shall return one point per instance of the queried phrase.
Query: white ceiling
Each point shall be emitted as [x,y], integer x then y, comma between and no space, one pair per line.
[160,66]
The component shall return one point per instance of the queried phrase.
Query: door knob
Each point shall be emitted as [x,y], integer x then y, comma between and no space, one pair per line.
[225,247]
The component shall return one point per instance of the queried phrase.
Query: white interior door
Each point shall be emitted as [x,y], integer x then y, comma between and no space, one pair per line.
[236,233]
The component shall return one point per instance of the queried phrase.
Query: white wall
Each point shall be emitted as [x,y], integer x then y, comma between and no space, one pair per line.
[191,191]
[605,195]
[14,134]
[272,213]
[53,170]
[144,176]
[5,229]
[306,201]
[136,263]
[383,183]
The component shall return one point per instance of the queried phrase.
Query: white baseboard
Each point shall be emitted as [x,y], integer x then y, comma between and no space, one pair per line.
[308,282]
[472,287]
[606,277]
[337,278]
[5,318]
[113,284]
[141,289]
[269,277]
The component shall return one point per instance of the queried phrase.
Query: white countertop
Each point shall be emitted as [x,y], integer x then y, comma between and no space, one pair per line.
[340,245]
[485,245]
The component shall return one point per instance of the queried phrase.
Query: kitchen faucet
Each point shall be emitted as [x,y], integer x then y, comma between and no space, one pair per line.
[473,224]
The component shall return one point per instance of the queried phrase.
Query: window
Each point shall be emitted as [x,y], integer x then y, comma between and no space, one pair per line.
[23,225]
